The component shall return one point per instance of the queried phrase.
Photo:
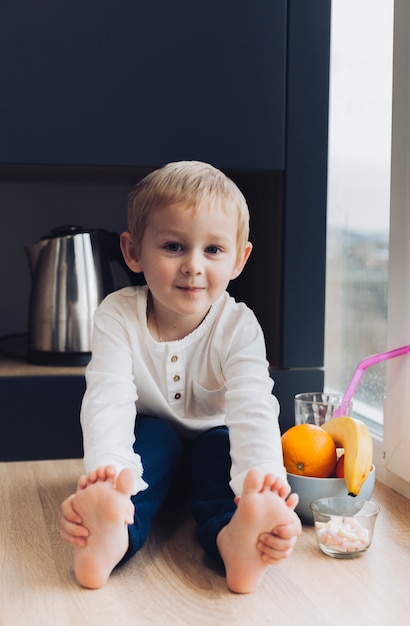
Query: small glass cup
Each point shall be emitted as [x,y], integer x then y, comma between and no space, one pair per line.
[317,407]
[344,526]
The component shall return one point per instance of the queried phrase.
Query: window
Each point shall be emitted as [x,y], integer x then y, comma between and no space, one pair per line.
[368,256]
[359,197]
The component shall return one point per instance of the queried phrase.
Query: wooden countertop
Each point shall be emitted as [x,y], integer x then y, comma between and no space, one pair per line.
[168,583]
[19,367]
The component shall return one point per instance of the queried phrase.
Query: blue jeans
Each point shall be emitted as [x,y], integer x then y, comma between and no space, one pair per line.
[195,472]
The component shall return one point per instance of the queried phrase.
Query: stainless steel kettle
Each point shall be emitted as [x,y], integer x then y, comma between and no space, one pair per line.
[71,274]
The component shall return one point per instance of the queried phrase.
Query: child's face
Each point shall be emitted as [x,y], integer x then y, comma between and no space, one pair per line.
[188,259]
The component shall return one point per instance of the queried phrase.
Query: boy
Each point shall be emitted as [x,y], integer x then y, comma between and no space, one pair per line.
[178,386]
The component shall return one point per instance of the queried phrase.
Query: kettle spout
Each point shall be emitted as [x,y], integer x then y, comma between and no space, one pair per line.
[33,251]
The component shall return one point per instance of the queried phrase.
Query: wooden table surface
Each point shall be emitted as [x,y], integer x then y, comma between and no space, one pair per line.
[167,583]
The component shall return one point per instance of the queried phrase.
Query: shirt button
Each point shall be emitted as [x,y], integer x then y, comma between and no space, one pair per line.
[174,358]
[177,396]
[177,378]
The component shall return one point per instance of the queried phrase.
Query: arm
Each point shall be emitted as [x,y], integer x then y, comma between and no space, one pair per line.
[251,409]
[108,410]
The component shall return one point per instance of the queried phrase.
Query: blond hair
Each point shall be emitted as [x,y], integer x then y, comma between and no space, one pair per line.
[193,183]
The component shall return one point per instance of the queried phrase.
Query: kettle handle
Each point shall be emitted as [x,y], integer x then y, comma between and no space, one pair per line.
[112,249]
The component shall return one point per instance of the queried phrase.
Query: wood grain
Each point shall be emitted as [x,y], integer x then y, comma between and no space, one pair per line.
[19,367]
[169,582]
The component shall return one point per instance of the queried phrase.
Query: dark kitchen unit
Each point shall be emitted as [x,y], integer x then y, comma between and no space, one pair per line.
[95,95]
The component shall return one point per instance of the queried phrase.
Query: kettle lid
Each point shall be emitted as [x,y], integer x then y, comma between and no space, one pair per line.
[64,231]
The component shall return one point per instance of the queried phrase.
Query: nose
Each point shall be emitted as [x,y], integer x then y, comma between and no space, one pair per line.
[192,263]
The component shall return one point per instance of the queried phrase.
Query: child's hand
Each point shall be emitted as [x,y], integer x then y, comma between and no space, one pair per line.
[71,528]
[278,544]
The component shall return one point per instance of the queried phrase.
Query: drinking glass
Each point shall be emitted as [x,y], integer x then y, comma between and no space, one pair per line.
[317,407]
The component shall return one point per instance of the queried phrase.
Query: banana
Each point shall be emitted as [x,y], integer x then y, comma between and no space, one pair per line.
[354,436]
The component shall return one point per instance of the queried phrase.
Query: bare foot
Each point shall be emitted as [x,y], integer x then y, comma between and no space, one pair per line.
[259,510]
[106,510]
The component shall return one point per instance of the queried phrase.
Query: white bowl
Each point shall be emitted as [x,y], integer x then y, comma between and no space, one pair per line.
[310,489]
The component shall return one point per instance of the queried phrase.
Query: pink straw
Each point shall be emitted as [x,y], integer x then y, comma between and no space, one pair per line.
[363,365]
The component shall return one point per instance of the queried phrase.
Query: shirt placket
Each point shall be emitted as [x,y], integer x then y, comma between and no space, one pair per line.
[175,380]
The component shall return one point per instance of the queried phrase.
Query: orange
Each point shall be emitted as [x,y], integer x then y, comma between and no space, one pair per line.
[308,450]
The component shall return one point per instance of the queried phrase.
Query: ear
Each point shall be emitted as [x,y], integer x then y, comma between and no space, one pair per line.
[242,261]
[129,252]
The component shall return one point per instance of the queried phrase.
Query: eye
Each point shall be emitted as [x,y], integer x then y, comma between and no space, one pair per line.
[213,250]
[173,247]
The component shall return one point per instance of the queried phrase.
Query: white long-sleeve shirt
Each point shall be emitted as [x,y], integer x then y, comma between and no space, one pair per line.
[216,375]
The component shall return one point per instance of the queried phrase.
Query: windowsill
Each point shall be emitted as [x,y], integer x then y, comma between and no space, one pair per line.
[376,429]
[382,473]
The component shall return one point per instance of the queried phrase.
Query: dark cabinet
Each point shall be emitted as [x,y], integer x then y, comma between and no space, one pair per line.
[126,86]
[40,416]
[140,83]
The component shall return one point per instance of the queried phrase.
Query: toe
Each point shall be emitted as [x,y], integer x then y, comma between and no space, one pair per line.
[125,481]
[253,481]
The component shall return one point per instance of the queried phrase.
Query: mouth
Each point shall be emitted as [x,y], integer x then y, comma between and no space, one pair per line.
[190,289]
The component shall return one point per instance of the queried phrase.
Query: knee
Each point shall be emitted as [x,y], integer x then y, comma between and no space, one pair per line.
[163,428]
[213,444]
[168,435]
[156,434]
[215,438]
